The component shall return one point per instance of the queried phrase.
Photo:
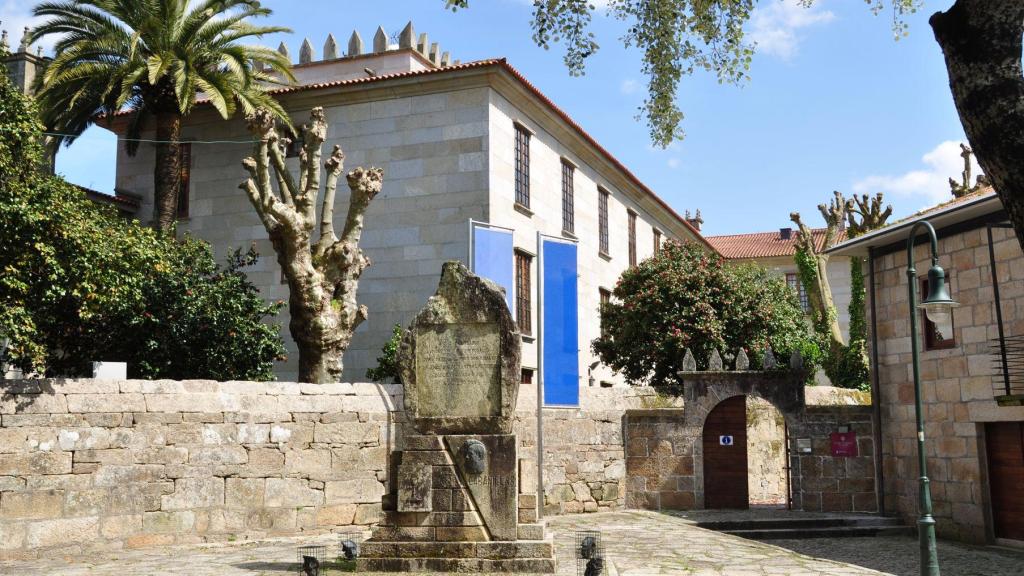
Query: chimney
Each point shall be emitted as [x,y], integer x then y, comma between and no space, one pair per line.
[695,221]
[785,233]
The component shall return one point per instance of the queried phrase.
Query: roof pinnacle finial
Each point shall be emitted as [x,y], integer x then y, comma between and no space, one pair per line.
[330,48]
[355,44]
[380,40]
[25,40]
[283,49]
[306,52]
[407,38]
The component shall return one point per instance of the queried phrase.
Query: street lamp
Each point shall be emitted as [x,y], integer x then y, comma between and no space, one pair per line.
[938,306]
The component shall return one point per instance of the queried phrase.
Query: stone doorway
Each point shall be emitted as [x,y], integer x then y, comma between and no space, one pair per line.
[744,443]
[725,455]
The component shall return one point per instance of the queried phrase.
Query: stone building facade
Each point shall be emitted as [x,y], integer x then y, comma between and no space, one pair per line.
[963,389]
[445,135]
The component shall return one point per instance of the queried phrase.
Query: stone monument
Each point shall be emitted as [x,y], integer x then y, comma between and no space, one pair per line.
[453,504]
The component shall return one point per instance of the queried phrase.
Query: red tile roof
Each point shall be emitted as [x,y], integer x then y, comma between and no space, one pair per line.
[503,64]
[762,244]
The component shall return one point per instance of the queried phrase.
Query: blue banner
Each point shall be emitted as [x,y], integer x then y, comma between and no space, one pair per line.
[560,317]
[492,257]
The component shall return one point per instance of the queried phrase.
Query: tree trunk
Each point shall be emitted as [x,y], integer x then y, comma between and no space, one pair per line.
[167,171]
[981,41]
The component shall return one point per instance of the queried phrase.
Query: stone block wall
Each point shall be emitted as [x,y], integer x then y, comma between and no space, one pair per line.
[111,465]
[584,455]
[91,464]
[958,389]
[822,482]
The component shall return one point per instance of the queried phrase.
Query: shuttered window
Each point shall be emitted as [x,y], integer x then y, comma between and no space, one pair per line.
[568,202]
[602,221]
[522,166]
[632,237]
[523,304]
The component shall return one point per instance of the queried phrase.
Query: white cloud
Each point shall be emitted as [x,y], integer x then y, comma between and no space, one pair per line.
[629,86]
[929,183]
[673,163]
[774,27]
[14,16]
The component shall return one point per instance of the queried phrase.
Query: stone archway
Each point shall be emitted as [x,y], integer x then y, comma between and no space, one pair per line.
[704,391]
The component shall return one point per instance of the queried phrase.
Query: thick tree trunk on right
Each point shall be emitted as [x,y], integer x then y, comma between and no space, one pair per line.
[167,171]
[981,41]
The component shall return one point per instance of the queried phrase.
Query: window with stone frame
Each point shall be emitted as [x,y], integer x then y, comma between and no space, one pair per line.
[793,280]
[184,174]
[524,307]
[526,376]
[936,336]
[657,240]
[568,201]
[522,162]
[631,216]
[602,220]
[605,296]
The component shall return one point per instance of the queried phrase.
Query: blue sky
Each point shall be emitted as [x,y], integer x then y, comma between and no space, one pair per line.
[834,103]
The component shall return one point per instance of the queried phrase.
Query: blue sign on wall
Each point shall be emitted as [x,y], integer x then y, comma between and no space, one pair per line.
[492,257]
[560,317]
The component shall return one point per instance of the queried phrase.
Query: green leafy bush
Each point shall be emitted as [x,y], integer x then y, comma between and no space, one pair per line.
[387,363]
[684,297]
[78,283]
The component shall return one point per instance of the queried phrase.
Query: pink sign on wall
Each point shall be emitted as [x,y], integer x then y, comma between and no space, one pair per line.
[844,443]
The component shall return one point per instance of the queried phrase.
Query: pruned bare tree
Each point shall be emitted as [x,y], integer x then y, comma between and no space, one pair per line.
[322,275]
[846,364]
[819,293]
[964,187]
[864,214]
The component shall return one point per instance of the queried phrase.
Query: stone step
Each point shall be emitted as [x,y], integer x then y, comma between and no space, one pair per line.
[795,523]
[461,565]
[531,531]
[827,532]
[479,550]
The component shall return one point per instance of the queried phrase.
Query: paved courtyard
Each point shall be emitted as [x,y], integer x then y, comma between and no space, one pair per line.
[638,543]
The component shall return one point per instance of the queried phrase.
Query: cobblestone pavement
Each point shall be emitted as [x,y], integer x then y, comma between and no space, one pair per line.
[899,555]
[638,543]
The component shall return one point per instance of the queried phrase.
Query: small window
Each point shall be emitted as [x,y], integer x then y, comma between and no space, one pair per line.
[632,237]
[527,376]
[568,202]
[936,336]
[184,173]
[801,291]
[657,240]
[294,148]
[522,166]
[602,220]
[523,307]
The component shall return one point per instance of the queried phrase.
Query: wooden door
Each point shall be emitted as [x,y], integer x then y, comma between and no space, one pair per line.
[1004,443]
[725,455]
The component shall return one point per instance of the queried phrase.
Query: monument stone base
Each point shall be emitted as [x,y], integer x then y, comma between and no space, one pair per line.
[455,507]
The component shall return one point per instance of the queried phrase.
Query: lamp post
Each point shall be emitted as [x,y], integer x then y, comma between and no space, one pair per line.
[938,306]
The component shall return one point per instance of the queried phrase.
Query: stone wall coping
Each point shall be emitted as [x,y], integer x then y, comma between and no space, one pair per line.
[644,412]
[272,388]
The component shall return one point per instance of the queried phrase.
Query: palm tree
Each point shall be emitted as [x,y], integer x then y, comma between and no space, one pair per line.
[151,58]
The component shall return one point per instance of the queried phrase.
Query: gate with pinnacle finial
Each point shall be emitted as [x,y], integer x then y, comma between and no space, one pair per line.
[697,456]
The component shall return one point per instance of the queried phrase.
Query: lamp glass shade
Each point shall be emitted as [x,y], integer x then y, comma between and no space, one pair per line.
[938,305]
